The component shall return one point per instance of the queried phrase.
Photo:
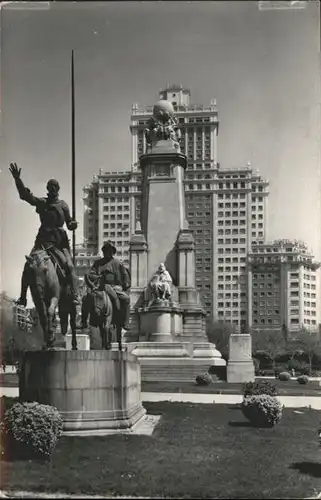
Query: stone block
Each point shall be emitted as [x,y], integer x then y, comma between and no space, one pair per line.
[93,390]
[83,342]
[175,361]
[240,365]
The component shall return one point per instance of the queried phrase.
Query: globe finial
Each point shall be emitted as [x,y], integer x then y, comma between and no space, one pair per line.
[162,126]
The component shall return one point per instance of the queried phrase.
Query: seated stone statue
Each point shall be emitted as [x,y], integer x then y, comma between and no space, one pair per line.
[160,284]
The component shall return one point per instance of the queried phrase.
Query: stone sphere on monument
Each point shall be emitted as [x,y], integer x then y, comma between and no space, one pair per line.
[163,110]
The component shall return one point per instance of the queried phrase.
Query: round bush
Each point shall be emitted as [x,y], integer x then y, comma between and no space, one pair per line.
[262,410]
[284,376]
[303,379]
[5,403]
[259,387]
[204,379]
[32,429]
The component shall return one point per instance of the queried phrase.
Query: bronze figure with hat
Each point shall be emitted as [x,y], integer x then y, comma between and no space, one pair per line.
[114,278]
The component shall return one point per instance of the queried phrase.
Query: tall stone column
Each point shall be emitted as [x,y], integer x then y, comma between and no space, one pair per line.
[163,204]
[185,246]
[189,299]
[138,269]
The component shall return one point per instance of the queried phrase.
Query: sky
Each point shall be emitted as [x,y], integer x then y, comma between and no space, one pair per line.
[263,68]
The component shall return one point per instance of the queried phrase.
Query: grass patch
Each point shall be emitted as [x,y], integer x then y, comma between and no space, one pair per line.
[288,388]
[206,451]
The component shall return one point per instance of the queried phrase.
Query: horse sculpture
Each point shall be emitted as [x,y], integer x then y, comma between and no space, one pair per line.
[48,293]
[98,306]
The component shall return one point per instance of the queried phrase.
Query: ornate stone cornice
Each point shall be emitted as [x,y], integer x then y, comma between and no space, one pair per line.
[185,240]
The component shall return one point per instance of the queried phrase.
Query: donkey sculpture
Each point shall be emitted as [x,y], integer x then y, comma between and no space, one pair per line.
[98,306]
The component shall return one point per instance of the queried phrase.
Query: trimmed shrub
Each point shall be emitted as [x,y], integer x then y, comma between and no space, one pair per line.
[303,379]
[259,387]
[5,403]
[204,379]
[284,376]
[262,410]
[31,429]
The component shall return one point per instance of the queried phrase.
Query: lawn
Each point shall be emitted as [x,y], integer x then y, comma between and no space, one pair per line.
[207,451]
[289,388]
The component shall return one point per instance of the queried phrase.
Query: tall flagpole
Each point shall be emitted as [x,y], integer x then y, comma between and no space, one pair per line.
[73,171]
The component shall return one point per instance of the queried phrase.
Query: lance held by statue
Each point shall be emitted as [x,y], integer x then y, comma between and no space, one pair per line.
[51,237]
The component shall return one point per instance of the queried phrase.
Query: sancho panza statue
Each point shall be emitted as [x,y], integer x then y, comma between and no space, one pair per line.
[163,125]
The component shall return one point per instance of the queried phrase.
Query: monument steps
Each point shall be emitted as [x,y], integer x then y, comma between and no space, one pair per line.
[167,373]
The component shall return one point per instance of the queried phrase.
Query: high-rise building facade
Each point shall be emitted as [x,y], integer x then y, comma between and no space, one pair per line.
[225,208]
[239,214]
[283,283]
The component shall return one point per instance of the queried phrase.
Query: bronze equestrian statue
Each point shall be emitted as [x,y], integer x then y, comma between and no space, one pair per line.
[50,254]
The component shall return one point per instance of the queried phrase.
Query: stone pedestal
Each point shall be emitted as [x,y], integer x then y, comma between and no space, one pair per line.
[240,366]
[174,361]
[83,342]
[93,390]
[161,322]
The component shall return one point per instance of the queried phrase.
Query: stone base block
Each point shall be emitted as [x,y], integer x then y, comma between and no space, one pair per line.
[161,321]
[207,350]
[83,342]
[160,349]
[240,372]
[173,370]
[93,390]
[240,367]
[174,361]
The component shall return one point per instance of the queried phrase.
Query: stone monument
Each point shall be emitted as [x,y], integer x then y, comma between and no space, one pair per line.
[167,319]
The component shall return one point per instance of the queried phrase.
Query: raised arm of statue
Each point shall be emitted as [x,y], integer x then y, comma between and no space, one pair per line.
[24,193]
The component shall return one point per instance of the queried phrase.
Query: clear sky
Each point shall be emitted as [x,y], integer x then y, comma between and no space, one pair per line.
[263,67]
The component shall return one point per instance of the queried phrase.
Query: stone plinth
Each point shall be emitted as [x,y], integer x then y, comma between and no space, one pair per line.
[240,366]
[83,342]
[174,361]
[160,322]
[93,390]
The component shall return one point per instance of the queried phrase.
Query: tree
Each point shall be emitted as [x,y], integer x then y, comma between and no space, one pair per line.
[271,342]
[218,333]
[13,339]
[305,342]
